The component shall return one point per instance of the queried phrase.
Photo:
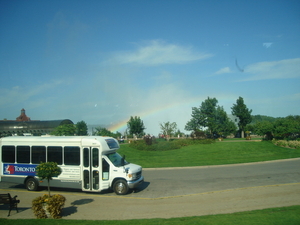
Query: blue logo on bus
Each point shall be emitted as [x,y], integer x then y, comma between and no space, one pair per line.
[19,169]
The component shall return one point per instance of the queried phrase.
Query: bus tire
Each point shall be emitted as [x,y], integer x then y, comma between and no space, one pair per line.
[32,184]
[120,187]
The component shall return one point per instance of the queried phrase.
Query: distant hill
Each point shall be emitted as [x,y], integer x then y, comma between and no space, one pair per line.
[260,118]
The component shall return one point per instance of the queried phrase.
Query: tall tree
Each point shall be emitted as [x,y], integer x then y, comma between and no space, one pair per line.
[168,129]
[81,128]
[224,126]
[136,126]
[204,116]
[211,116]
[241,111]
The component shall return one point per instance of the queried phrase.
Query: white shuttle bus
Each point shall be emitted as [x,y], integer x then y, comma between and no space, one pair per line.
[90,163]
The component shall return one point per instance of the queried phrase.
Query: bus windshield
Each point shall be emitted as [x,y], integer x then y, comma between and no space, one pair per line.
[116,159]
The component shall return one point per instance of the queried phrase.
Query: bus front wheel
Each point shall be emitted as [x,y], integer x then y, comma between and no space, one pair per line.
[31,184]
[120,187]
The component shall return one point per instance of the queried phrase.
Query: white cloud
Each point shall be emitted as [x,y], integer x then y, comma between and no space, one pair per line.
[164,75]
[158,53]
[267,44]
[223,70]
[288,68]
[17,95]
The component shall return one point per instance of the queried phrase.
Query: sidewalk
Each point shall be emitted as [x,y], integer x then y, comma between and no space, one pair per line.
[95,206]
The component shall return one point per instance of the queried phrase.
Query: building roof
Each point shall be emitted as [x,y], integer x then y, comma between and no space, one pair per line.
[32,127]
[23,124]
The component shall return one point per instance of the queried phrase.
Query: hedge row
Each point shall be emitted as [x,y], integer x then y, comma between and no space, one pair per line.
[163,145]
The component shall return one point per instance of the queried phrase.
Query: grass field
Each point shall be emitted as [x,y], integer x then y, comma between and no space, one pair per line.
[274,216]
[218,153]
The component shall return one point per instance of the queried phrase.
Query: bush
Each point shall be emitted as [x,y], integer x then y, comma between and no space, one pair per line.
[294,144]
[287,144]
[53,204]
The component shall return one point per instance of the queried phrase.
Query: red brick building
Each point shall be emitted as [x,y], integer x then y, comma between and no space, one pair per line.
[23,116]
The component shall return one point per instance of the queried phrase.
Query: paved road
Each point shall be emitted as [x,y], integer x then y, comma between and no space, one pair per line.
[183,192]
[184,181]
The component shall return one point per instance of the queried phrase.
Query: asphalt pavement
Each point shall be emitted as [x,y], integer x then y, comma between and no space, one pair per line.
[144,205]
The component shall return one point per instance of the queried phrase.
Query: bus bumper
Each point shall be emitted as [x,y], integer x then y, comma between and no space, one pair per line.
[135,183]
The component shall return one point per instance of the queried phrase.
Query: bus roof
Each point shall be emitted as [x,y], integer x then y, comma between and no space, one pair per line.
[92,141]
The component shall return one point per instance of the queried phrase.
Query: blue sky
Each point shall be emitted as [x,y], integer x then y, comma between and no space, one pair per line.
[104,61]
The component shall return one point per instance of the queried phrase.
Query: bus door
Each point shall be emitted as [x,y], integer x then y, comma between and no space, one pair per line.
[91,169]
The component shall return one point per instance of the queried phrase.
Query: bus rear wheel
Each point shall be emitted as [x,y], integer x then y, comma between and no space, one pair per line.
[120,187]
[32,184]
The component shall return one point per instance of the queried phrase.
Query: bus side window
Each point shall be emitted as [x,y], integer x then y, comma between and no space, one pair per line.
[95,157]
[86,157]
[23,154]
[72,155]
[54,154]
[8,154]
[105,170]
[38,154]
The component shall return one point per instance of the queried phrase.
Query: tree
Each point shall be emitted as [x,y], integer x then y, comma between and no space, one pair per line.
[241,111]
[264,128]
[287,128]
[48,170]
[198,134]
[168,129]
[102,131]
[260,118]
[178,133]
[204,116]
[64,130]
[81,128]
[224,126]
[211,116]
[282,128]
[136,126]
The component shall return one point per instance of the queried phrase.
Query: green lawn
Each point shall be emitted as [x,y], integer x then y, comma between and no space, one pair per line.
[218,153]
[274,216]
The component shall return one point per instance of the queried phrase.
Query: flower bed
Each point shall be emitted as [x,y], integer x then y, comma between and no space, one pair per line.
[287,144]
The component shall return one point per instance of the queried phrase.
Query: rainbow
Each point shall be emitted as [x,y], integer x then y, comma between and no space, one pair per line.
[194,102]
[122,125]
